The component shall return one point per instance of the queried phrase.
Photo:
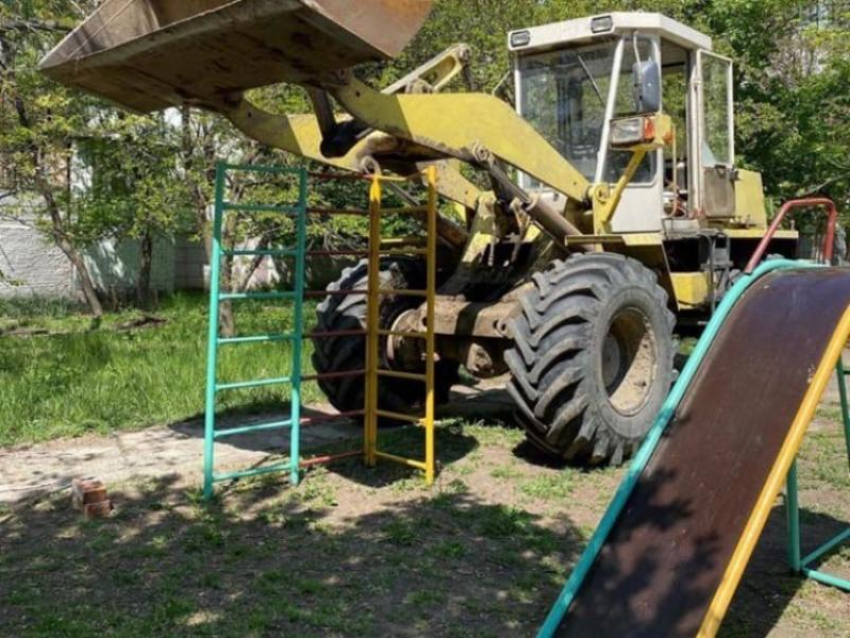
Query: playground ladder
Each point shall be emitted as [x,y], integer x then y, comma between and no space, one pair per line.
[375,371]
[801,564]
[214,386]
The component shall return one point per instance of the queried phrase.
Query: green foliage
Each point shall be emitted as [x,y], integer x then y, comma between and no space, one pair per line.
[149,174]
[134,184]
[793,74]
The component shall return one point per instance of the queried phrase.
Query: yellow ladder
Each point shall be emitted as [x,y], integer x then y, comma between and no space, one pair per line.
[374,371]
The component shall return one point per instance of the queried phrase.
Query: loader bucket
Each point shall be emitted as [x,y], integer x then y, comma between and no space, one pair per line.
[151,54]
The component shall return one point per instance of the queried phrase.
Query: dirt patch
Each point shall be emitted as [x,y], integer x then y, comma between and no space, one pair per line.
[359,552]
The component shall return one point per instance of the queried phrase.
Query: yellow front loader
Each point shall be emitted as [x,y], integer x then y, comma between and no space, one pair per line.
[615,204]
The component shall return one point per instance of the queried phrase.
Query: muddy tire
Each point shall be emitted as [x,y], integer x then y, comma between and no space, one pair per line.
[593,357]
[348,312]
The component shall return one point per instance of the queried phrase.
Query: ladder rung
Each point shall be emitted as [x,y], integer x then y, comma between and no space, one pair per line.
[261,208]
[330,458]
[342,374]
[398,416]
[402,292]
[240,385]
[402,251]
[404,210]
[338,211]
[334,253]
[395,374]
[404,241]
[257,471]
[256,339]
[327,334]
[261,168]
[334,293]
[325,418]
[400,459]
[238,296]
[402,334]
[266,252]
[260,427]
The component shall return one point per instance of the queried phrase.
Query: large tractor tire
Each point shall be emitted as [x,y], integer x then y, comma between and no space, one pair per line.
[338,354]
[592,360]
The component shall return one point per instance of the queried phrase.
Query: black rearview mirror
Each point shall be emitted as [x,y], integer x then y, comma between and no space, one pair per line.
[647,82]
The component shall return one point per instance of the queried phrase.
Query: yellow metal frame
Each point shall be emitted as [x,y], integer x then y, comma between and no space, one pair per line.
[374,372]
[775,480]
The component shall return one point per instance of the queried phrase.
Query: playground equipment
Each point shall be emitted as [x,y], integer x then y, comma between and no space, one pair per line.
[628,207]
[373,293]
[672,547]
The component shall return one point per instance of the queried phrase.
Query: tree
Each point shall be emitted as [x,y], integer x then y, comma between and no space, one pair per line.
[38,123]
[134,190]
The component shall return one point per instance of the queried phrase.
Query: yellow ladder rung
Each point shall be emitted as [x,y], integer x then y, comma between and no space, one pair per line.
[419,465]
[403,334]
[403,241]
[395,374]
[402,293]
[398,416]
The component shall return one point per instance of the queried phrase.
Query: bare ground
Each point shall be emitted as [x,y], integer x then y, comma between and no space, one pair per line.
[358,552]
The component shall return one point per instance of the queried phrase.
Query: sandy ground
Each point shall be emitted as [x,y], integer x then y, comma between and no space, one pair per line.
[43,469]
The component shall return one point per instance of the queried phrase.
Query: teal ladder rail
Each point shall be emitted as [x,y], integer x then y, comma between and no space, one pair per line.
[295,337]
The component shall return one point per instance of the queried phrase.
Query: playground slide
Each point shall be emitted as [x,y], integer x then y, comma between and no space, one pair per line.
[676,549]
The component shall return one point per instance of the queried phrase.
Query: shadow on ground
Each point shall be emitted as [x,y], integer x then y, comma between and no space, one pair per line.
[271,560]
[325,434]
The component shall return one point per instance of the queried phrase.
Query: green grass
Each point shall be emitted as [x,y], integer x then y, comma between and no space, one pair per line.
[104,380]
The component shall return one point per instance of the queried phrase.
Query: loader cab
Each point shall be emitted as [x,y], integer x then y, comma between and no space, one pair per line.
[573,78]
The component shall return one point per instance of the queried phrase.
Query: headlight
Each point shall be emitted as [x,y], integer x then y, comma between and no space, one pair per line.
[520,38]
[628,131]
[602,24]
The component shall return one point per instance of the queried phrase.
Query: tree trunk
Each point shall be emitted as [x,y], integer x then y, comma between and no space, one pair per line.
[66,245]
[42,185]
[143,283]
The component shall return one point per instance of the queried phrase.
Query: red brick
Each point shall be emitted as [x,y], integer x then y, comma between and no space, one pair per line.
[98,510]
[88,492]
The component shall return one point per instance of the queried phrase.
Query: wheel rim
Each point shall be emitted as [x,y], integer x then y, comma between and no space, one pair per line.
[629,360]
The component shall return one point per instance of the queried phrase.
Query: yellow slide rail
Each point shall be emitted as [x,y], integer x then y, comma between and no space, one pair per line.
[779,472]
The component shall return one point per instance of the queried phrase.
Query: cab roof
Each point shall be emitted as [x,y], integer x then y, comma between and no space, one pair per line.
[589,29]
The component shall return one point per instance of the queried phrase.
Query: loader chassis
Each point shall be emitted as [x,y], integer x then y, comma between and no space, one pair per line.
[628,209]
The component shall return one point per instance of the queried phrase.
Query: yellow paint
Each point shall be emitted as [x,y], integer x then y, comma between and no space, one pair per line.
[605,203]
[458,123]
[372,324]
[483,230]
[758,233]
[627,239]
[374,371]
[749,200]
[775,480]
[300,135]
[692,289]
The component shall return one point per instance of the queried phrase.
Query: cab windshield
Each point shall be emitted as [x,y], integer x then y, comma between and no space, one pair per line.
[563,95]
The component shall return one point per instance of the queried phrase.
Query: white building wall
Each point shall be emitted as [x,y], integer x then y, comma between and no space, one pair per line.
[34,267]
[31,266]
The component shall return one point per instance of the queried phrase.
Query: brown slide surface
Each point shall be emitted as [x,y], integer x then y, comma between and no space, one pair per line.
[665,558]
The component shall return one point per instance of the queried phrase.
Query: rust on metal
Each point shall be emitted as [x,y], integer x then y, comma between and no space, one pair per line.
[152,54]
[667,554]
